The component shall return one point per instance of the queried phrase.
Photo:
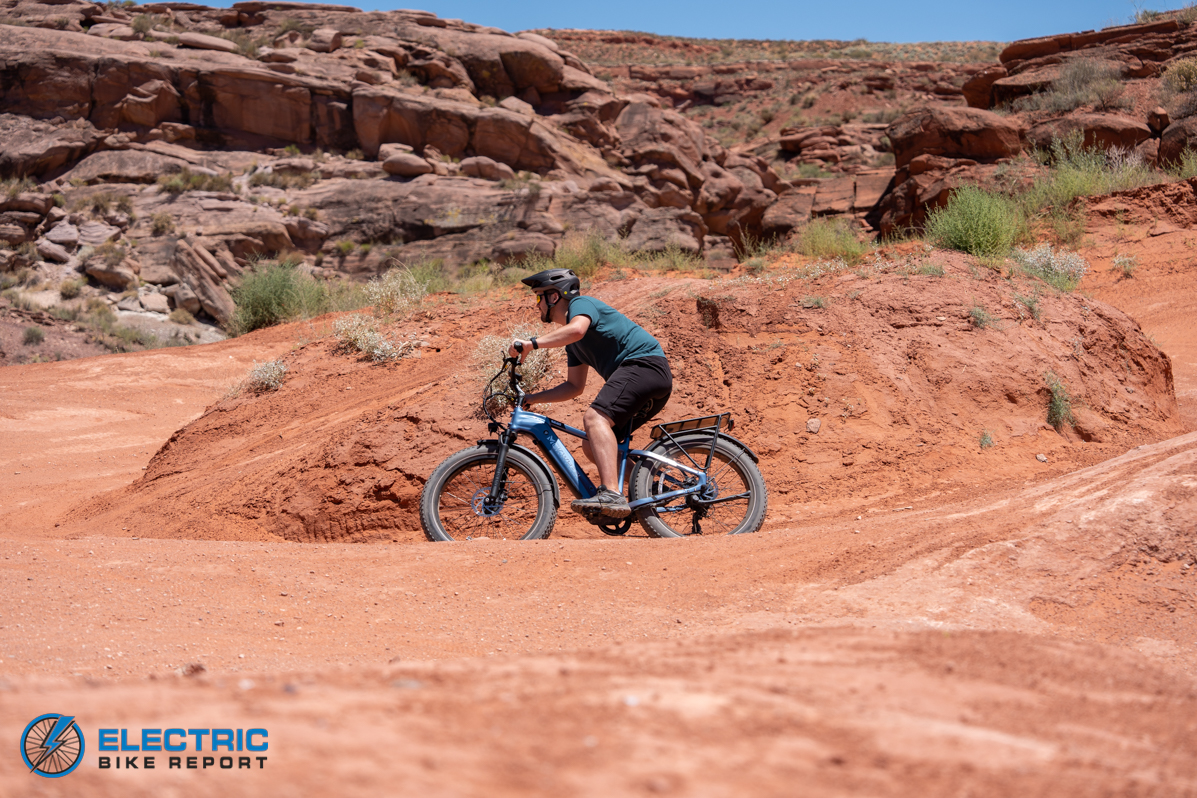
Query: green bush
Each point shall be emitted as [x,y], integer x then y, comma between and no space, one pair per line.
[828,238]
[978,222]
[1186,167]
[273,293]
[181,316]
[980,318]
[1059,406]
[1080,171]
[34,336]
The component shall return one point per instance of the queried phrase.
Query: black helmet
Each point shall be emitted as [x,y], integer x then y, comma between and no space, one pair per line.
[563,280]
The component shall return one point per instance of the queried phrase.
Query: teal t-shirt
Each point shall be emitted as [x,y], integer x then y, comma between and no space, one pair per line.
[611,340]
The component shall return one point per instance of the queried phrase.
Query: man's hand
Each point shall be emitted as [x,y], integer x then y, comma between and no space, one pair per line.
[513,352]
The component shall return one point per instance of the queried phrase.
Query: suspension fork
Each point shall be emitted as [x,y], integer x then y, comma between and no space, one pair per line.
[505,439]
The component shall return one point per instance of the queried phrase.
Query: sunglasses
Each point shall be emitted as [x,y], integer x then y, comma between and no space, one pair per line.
[541,297]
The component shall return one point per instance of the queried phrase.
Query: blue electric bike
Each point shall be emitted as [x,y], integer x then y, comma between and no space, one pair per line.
[694,478]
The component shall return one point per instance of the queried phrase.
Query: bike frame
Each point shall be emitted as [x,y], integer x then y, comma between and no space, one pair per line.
[542,428]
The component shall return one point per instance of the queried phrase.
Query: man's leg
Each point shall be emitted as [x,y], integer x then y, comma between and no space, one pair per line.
[603,450]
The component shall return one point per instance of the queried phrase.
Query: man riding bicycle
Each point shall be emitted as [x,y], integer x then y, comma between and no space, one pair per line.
[637,379]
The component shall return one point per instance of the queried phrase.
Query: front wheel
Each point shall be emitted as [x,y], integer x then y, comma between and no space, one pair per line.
[456,503]
[733,504]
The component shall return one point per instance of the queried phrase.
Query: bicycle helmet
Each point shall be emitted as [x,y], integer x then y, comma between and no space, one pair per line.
[563,280]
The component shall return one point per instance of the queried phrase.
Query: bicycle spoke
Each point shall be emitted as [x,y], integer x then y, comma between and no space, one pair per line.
[463,494]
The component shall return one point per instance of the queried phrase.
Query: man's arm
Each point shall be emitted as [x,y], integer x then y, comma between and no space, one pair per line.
[575,383]
[570,333]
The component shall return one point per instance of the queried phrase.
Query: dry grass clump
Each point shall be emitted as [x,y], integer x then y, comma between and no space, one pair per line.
[539,365]
[264,377]
[1082,81]
[186,180]
[358,333]
[398,292]
[1061,269]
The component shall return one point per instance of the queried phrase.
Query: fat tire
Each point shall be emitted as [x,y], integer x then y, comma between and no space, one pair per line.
[739,459]
[430,497]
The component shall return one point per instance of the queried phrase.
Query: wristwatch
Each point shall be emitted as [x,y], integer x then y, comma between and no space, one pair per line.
[534,344]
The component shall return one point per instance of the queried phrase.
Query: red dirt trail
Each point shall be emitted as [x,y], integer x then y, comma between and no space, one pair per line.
[918,617]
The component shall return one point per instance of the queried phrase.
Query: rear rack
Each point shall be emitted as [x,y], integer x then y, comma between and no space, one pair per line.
[723,421]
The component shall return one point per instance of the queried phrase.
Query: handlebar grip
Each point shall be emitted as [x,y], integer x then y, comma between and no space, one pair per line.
[518,347]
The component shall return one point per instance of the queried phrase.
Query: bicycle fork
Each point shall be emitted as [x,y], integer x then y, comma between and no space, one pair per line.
[498,496]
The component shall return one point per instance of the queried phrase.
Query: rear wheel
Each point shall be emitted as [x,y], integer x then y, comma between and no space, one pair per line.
[734,502]
[456,503]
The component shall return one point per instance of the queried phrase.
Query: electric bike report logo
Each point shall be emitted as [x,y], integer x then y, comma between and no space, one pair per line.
[52,745]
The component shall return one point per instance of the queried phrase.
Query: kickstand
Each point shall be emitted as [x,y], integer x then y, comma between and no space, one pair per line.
[695,520]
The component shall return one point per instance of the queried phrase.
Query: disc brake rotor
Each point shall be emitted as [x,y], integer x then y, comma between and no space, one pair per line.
[483,505]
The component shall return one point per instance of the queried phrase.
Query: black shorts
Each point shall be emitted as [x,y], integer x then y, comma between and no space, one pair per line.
[636,392]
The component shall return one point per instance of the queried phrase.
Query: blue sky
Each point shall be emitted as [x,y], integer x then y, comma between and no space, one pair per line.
[875,20]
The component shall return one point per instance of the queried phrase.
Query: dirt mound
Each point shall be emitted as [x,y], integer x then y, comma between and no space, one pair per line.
[888,359]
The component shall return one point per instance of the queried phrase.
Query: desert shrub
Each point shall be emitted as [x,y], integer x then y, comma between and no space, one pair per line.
[585,253]
[247,44]
[1059,406]
[671,259]
[274,292]
[1186,167]
[980,318]
[358,333]
[1080,171]
[264,377]
[1181,76]
[291,150]
[124,204]
[17,185]
[976,221]
[69,289]
[284,180]
[181,316]
[814,302]
[291,24]
[142,24]
[828,238]
[428,273]
[1061,269]
[1125,265]
[1030,303]
[34,336]
[101,203]
[110,252]
[397,292]
[538,367]
[1082,81]
[186,180]
[162,223]
[986,440]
